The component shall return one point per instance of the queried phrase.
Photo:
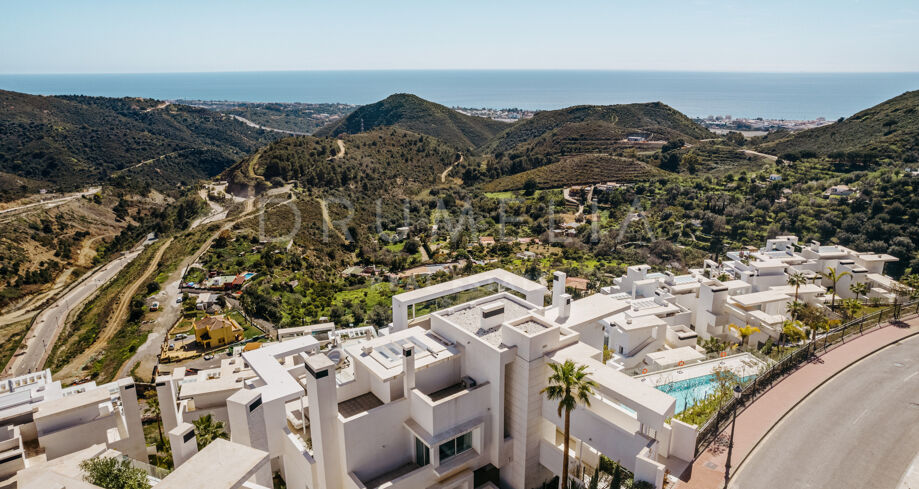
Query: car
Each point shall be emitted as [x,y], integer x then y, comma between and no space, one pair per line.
[209,356]
[179,299]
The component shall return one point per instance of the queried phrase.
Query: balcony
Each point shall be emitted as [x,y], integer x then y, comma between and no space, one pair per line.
[444,408]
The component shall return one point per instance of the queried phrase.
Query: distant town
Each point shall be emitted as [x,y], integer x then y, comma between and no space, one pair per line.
[721,124]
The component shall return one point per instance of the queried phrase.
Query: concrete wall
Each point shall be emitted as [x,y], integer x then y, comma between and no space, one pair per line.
[377,440]
[298,464]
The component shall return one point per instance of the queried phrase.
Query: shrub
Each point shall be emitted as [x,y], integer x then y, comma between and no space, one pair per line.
[111,473]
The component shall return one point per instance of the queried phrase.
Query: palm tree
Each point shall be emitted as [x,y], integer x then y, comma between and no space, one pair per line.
[744,332]
[912,281]
[860,289]
[153,409]
[796,280]
[851,308]
[831,275]
[570,386]
[794,308]
[207,429]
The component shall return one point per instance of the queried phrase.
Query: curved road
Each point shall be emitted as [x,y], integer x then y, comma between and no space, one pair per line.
[49,323]
[860,430]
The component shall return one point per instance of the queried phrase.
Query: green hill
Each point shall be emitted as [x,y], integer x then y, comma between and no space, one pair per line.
[412,113]
[71,141]
[887,130]
[577,170]
[585,128]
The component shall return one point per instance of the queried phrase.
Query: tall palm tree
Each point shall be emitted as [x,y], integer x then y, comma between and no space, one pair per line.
[794,308]
[796,280]
[208,429]
[570,386]
[860,289]
[744,332]
[834,277]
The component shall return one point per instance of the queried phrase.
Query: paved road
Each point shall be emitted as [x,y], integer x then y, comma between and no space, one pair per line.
[50,322]
[47,204]
[860,430]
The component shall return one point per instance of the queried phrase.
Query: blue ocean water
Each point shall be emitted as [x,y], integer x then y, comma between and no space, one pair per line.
[769,95]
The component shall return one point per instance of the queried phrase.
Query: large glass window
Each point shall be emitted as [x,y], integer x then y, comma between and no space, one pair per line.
[422,453]
[455,446]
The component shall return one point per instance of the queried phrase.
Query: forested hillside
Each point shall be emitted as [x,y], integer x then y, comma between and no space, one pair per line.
[71,141]
[412,113]
[889,130]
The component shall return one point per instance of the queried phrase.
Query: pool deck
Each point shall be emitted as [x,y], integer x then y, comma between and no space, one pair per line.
[743,364]
[755,422]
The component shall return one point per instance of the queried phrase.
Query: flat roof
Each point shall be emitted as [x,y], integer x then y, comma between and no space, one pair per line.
[625,389]
[468,316]
[51,407]
[221,464]
[758,298]
[497,275]
[640,322]
[385,358]
[591,308]
[208,386]
[675,355]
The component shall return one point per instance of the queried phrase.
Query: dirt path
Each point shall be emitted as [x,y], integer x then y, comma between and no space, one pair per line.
[162,105]
[147,355]
[151,160]
[114,322]
[327,219]
[443,176]
[30,307]
[749,152]
[341,149]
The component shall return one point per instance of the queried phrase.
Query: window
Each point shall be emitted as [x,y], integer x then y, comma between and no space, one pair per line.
[422,453]
[455,446]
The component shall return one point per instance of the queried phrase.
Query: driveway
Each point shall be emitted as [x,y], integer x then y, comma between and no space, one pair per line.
[860,430]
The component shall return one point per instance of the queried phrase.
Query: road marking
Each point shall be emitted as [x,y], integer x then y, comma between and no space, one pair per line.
[911,476]
[910,376]
[860,416]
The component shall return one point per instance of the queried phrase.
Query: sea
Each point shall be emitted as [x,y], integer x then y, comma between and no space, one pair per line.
[697,94]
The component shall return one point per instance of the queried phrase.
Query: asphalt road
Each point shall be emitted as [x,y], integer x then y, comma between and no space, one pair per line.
[50,322]
[860,430]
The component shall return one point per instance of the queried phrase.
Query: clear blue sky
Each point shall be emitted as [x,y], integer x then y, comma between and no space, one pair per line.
[39,36]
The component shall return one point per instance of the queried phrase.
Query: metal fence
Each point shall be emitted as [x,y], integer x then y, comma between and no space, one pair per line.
[709,431]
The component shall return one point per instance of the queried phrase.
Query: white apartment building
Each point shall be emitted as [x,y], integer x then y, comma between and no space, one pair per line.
[451,399]
[43,421]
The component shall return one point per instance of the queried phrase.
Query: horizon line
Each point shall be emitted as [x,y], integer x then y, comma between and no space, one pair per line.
[408,70]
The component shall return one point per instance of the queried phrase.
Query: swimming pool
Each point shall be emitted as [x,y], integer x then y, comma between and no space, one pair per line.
[688,391]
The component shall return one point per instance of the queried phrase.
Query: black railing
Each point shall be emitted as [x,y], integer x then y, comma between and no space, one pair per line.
[709,431]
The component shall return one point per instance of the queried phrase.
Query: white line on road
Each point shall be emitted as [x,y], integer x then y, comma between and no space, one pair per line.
[860,416]
[910,376]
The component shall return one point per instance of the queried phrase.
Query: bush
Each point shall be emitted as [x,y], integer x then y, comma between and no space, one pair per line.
[111,473]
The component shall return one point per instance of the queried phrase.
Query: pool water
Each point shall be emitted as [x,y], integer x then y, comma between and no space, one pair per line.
[688,392]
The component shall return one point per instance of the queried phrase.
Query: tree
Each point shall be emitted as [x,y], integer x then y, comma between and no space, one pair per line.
[713,345]
[793,330]
[153,409]
[834,277]
[112,473]
[850,308]
[207,429]
[860,289]
[595,480]
[617,478]
[796,280]
[795,309]
[529,187]
[745,332]
[570,386]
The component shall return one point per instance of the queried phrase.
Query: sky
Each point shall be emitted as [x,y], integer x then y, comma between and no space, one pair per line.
[142,36]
